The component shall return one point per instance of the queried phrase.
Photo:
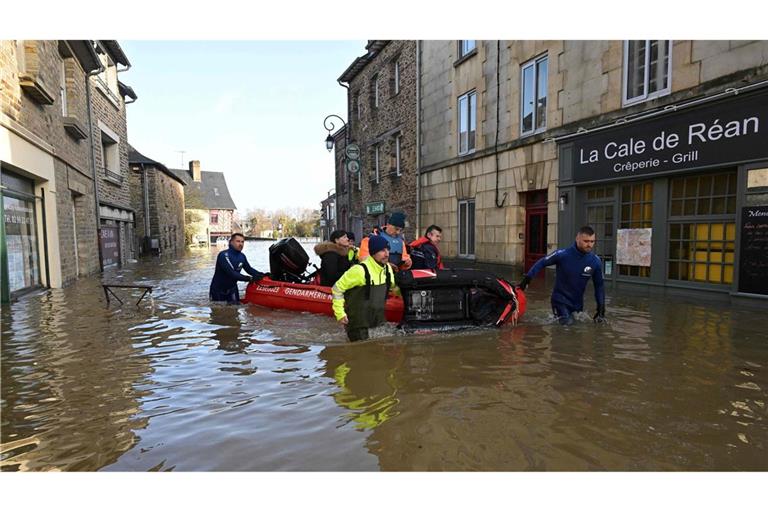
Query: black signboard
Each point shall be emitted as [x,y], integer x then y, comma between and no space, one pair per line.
[722,132]
[753,262]
[109,239]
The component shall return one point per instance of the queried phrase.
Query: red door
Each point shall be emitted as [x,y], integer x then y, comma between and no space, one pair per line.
[535,227]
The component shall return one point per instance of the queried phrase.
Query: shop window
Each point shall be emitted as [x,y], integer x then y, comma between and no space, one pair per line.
[467,122]
[601,216]
[702,228]
[647,69]
[533,96]
[467,228]
[19,217]
[636,213]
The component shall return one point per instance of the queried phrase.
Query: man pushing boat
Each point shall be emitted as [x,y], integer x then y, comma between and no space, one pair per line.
[360,295]
[227,273]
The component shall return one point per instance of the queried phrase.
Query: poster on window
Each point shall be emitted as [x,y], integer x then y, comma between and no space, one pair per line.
[633,247]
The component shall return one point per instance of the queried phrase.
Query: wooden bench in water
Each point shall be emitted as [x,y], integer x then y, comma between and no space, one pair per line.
[108,290]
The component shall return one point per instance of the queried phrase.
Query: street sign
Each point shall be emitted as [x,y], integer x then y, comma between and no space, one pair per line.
[353,166]
[374,208]
[353,152]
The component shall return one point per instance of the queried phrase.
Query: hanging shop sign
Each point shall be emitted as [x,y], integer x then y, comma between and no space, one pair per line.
[728,131]
[753,265]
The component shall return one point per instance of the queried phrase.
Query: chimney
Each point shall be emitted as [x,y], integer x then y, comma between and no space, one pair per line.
[194,170]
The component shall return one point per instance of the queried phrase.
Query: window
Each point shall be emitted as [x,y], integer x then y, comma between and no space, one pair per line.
[215,191]
[466,47]
[398,170]
[375,91]
[467,228]
[108,77]
[396,77]
[214,217]
[533,97]
[467,122]
[110,155]
[63,88]
[359,102]
[636,213]
[376,169]
[702,228]
[647,66]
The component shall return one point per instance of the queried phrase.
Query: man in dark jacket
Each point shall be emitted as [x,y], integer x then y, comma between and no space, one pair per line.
[336,256]
[425,252]
[575,266]
[227,273]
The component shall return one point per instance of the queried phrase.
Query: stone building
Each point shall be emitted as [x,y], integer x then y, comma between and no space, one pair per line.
[49,222]
[655,143]
[208,205]
[109,133]
[157,197]
[382,122]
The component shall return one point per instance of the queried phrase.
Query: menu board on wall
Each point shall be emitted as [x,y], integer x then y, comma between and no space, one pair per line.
[753,262]
[633,247]
[109,240]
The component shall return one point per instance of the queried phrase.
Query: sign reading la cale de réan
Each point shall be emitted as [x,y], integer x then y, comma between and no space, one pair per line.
[722,132]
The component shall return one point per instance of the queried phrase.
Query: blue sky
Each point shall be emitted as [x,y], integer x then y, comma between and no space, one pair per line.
[251,109]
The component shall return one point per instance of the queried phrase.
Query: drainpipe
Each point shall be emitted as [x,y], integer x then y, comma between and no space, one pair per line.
[45,239]
[347,221]
[498,122]
[93,157]
[145,183]
[418,138]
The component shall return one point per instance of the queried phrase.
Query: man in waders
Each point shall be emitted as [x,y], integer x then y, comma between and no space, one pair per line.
[360,294]
[576,265]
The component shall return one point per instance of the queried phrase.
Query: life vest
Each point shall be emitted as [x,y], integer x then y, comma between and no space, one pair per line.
[424,259]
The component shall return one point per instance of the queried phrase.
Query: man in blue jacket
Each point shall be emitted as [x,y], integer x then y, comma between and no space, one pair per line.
[575,266]
[227,273]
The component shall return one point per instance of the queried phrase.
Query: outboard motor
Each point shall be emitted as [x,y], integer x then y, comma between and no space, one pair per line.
[288,261]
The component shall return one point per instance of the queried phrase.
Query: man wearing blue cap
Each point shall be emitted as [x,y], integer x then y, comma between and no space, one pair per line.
[360,294]
[392,233]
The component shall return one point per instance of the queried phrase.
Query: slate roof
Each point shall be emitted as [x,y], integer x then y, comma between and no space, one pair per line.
[134,157]
[209,183]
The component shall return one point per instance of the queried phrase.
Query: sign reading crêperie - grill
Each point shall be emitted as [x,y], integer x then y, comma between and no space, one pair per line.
[723,132]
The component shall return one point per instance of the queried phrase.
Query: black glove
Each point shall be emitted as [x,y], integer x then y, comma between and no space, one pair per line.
[600,314]
[524,282]
[258,277]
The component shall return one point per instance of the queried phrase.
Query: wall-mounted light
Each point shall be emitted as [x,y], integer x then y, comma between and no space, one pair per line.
[563,201]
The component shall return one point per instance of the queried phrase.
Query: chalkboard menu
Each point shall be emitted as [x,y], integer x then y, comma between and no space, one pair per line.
[109,239]
[753,262]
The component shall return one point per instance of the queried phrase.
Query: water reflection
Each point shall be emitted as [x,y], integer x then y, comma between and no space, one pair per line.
[180,384]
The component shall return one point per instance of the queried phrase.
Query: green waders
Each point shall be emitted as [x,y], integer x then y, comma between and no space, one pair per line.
[364,306]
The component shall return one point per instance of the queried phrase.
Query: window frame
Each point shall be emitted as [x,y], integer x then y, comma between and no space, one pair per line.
[376,164]
[470,230]
[463,48]
[63,88]
[625,101]
[398,170]
[396,73]
[534,64]
[213,218]
[469,96]
[375,91]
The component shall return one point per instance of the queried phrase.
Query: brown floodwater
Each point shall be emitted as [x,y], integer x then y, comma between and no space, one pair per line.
[178,384]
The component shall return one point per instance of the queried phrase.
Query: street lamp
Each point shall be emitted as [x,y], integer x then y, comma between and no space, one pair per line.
[329,125]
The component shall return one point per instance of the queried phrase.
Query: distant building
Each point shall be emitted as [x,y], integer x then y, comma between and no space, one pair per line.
[157,197]
[209,207]
[328,216]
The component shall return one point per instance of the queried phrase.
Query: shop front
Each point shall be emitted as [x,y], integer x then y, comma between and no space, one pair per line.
[21,269]
[678,198]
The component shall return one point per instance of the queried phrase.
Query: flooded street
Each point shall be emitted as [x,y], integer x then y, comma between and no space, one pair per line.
[177,384]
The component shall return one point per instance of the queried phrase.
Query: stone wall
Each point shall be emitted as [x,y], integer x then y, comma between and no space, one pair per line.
[373,126]
[73,187]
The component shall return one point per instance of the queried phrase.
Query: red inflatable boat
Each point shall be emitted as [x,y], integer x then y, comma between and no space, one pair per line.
[305,297]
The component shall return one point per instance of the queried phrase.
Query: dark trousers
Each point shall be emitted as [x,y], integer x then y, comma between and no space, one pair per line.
[357,334]
[563,313]
[229,296]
